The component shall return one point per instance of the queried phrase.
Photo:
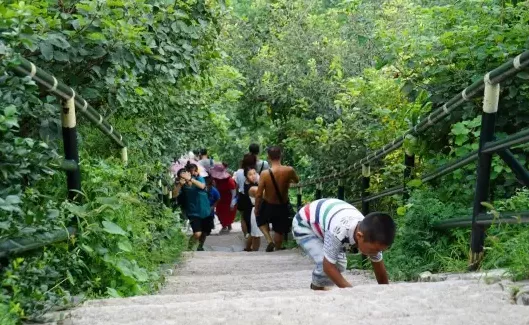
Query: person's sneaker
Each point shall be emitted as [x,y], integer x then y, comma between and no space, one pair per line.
[223,230]
[200,249]
[316,288]
[270,247]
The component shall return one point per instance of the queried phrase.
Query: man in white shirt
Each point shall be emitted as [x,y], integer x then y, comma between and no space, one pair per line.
[205,161]
[260,165]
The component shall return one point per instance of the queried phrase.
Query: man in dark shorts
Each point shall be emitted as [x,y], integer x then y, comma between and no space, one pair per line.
[271,205]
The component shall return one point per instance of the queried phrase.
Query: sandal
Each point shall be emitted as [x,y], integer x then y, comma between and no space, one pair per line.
[270,247]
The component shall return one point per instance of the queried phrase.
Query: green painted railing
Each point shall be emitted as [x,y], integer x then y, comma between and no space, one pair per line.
[71,102]
[489,88]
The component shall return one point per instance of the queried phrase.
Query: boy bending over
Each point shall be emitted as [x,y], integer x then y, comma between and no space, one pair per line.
[324,228]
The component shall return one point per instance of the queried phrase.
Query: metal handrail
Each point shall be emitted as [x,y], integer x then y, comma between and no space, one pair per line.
[495,76]
[52,85]
[521,217]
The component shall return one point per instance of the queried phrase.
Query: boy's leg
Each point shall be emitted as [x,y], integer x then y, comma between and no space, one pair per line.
[195,237]
[265,229]
[278,240]
[256,243]
[248,247]
[243,225]
[313,246]
[280,224]
[196,225]
[201,242]
[263,222]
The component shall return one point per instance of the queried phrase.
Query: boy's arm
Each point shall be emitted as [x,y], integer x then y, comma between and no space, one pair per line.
[334,274]
[380,272]
[332,247]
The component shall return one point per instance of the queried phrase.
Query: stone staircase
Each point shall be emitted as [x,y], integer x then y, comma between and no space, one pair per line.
[227,286]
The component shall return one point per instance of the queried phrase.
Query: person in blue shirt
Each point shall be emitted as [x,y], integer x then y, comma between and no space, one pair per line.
[190,189]
[213,196]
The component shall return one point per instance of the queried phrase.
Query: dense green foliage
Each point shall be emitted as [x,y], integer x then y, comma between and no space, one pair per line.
[327,80]
[332,80]
[145,66]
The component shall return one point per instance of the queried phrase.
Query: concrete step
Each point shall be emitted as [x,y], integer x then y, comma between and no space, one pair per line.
[451,302]
[223,254]
[255,280]
[241,265]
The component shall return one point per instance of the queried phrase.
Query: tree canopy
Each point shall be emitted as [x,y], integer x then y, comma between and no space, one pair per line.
[329,81]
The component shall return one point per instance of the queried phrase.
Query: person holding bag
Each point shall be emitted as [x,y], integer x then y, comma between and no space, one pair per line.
[272,205]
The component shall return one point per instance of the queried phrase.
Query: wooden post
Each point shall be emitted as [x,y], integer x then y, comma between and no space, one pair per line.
[366,174]
[71,152]
[409,163]
[488,120]
[341,190]
[318,195]
[299,198]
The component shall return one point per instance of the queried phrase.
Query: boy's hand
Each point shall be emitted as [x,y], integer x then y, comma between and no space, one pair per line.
[334,274]
[380,272]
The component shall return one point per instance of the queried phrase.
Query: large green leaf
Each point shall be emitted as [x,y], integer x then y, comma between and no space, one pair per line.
[46,49]
[125,246]
[113,228]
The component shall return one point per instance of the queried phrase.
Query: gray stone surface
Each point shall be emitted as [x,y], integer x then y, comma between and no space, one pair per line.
[522,297]
[227,287]
[488,276]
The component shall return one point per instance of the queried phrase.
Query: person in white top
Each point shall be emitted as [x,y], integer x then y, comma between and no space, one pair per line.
[260,165]
[324,228]
[204,160]
[250,188]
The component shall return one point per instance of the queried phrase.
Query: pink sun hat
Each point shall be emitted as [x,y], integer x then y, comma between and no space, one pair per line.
[219,172]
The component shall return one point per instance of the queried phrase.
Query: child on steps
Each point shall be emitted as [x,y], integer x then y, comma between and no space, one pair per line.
[253,242]
[324,228]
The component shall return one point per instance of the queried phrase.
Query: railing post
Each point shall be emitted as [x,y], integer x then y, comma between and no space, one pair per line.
[160,186]
[341,190]
[488,120]
[366,173]
[317,195]
[409,163]
[124,155]
[299,198]
[71,152]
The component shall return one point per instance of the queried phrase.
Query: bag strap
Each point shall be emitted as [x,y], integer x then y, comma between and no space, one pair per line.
[276,187]
[262,166]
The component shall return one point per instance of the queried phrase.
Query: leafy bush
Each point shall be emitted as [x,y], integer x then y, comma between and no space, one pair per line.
[124,234]
[144,65]
[418,247]
[508,245]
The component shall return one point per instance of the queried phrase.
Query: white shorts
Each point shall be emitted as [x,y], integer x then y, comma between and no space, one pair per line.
[255,231]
